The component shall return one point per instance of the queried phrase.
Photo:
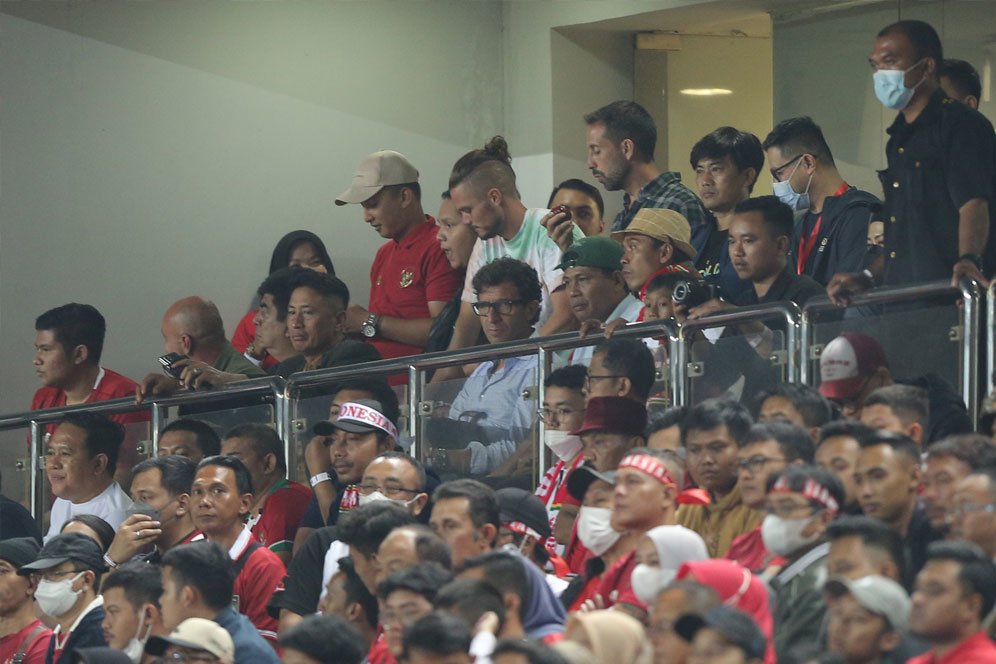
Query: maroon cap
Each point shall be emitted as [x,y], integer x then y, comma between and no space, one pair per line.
[847,362]
[615,415]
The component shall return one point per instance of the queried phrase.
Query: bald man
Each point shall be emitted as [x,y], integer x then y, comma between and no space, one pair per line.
[193,327]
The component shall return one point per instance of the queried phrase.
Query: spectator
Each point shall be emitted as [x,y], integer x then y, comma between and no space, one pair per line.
[80,458]
[722,628]
[465,513]
[960,81]
[676,599]
[410,279]
[612,427]
[189,438]
[132,614]
[954,592]
[278,503]
[946,464]
[801,405]
[585,203]
[726,162]
[364,529]
[620,368]
[861,546]
[16,520]
[66,575]
[526,528]
[197,583]
[901,409]
[664,432]
[658,241]
[853,365]
[611,636]
[161,487]
[837,452]
[456,239]
[296,249]
[867,619]
[972,510]
[93,527]
[197,640]
[435,638]
[22,632]
[405,597]
[410,545]
[471,599]
[711,435]
[221,496]
[801,503]
[482,184]
[621,140]
[832,217]
[768,448]
[322,640]
[659,554]
[938,225]
[348,598]
[270,345]
[887,478]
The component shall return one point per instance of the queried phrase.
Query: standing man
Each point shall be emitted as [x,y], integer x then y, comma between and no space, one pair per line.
[621,141]
[961,82]
[831,216]
[410,279]
[940,174]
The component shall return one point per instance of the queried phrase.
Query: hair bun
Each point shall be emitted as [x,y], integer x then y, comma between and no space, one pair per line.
[497,148]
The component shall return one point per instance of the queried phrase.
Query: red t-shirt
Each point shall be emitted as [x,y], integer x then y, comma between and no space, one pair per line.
[749,550]
[281,514]
[35,654]
[976,649]
[405,277]
[244,335]
[616,587]
[262,574]
[379,653]
[552,492]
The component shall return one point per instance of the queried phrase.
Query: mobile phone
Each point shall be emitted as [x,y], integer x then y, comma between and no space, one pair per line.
[562,209]
[168,360]
[144,508]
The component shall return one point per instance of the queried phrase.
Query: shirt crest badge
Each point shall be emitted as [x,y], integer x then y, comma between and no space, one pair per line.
[407,277]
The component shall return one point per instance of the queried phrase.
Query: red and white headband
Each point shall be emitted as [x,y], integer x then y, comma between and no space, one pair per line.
[650,465]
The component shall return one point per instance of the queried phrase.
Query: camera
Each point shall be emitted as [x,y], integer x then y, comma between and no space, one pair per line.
[693,292]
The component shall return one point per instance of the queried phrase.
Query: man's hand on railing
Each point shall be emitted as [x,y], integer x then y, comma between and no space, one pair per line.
[967,269]
[594,325]
[844,286]
[559,228]
[155,385]
[137,532]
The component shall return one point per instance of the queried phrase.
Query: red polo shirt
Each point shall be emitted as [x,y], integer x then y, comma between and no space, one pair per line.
[977,649]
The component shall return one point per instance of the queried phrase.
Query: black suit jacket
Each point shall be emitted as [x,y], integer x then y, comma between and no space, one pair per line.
[88,634]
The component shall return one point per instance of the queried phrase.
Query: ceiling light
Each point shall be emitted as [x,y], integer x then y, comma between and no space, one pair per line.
[706,92]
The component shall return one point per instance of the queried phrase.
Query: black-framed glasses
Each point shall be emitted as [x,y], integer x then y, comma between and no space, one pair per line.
[589,378]
[391,491]
[756,462]
[777,172]
[503,307]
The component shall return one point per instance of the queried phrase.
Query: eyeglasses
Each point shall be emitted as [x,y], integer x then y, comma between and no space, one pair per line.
[777,172]
[756,462]
[561,413]
[503,307]
[589,378]
[52,576]
[972,508]
[389,491]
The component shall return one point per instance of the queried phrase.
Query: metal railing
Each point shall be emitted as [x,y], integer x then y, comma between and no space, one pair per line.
[990,378]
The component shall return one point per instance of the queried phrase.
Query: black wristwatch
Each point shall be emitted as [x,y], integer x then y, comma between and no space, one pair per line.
[974,258]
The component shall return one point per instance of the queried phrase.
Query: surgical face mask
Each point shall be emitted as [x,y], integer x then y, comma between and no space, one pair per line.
[594,530]
[136,647]
[56,598]
[374,496]
[786,194]
[647,581]
[783,536]
[890,87]
[563,444]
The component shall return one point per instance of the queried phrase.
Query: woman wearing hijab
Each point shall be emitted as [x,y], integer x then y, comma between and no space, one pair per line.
[297,248]
[659,554]
[611,636]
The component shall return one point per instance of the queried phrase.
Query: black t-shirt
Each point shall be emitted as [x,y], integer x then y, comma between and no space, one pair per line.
[16,521]
[303,583]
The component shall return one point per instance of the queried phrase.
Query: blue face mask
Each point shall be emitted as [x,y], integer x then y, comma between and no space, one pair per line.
[890,87]
[786,194]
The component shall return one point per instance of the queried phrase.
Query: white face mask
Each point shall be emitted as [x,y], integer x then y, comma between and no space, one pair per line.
[563,444]
[373,497]
[890,87]
[782,537]
[136,647]
[786,194]
[594,530]
[647,581]
[56,598]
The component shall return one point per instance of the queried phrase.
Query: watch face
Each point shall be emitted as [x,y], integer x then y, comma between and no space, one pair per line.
[368,330]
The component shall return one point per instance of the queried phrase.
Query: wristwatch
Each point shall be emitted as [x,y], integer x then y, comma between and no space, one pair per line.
[369,327]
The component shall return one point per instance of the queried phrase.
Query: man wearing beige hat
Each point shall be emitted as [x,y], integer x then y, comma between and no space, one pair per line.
[194,640]
[410,279]
[657,240]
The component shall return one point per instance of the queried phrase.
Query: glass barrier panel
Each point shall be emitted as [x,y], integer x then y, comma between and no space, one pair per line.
[727,363]
[660,394]
[15,474]
[919,339]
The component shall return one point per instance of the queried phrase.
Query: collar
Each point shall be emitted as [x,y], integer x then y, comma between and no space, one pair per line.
[100,377]
[241,542]
[659,182]
[727,502]
[929,113]
[97,602]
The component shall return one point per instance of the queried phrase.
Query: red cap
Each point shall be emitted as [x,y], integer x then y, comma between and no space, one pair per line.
[847,362]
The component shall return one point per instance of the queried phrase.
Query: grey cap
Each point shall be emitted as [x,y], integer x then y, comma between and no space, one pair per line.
[878,594]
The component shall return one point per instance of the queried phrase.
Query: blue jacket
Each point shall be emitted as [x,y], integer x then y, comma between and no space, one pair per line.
[250,647]
[88,634]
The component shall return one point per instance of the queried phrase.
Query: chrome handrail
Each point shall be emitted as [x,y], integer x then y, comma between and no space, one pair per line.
[991,338]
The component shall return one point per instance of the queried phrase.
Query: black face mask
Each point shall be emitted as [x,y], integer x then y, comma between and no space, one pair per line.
[875,250]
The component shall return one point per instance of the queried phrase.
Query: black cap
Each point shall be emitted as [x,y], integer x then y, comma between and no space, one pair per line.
[735,626]
[581,478]
[359,416]
[68,546]
[19,551]
[522,506]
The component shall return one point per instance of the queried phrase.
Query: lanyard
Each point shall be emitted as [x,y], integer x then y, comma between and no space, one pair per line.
[806,244]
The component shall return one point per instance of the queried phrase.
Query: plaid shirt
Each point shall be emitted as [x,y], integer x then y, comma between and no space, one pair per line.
[665,191]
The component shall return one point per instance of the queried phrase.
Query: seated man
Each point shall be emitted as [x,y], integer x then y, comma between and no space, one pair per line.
[197,583]
[278,503]
[194,640]
[867,619]
[20,629]
[270,340]
[323,640]
[347,597]
[612,427]
[508,302]
[620,368]
[466,514]
[801,405]
[862,546]
[80,458]
[655,242]
[837,450]
[437,637]
[901,409]
[75,607]
[131,607]
[189,438]
[405,597]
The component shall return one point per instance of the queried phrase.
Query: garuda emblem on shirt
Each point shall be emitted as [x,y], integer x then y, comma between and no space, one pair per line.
[407,277]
